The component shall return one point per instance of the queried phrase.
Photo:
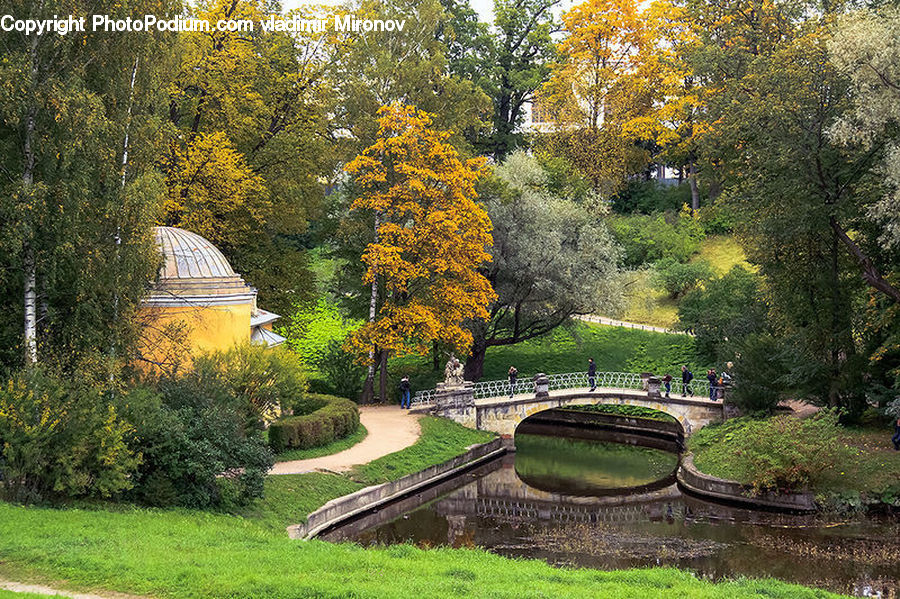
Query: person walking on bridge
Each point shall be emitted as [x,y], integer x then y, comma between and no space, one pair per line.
[686,377]
[667,381]
[513,374]
[592,374]
[713,384]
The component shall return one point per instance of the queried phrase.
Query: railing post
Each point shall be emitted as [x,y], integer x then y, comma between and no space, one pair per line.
[653,384]
[541,385]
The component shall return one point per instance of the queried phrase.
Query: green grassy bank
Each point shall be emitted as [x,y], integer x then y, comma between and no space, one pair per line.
[190,554]
[290,497]
[867,473]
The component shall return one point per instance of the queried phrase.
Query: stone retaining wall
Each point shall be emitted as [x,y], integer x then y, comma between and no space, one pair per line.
[343,508]
[705,485]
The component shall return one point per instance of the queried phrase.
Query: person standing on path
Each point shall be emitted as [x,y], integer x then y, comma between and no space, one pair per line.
[686,377]
[896,437]
[592,374]
[513,374]
[405,401]
[713,384]
[667,381]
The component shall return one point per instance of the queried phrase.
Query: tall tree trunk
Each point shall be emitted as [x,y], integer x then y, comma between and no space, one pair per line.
[30,298]
[692,181]
[118,239]
[474,368]
[29,268]
[383,378]
[368,392]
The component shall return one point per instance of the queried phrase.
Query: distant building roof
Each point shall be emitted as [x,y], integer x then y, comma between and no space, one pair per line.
[265,337]
[194,272]
[186,255]
[262,317]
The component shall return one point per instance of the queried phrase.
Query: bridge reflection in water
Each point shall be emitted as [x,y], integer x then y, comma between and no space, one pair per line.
[632,525]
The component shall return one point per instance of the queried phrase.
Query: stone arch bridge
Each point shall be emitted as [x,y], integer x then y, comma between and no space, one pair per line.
[495,406]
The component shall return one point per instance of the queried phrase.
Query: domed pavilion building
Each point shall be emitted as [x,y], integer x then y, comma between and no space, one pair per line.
[198,303]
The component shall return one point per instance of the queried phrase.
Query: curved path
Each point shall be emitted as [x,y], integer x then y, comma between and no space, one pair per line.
[612,322]
[391,429]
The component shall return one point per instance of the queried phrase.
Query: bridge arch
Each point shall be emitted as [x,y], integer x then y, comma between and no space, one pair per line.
[486,406]
[594,398]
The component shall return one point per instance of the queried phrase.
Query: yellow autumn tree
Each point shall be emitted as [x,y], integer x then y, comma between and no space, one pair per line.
[595,85]
[677,119]
[213,191]
[596,72]
[431,236]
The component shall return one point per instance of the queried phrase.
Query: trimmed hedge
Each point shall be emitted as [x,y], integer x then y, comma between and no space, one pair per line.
[336,419]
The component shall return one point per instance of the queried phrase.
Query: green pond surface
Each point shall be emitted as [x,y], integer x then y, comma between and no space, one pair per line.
[583,467]
[606,505]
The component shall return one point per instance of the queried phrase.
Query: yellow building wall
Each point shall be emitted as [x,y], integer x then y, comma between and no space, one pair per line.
[172,335]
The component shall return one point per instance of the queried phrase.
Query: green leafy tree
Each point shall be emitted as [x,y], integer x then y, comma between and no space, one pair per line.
[801,198]
[518,66]
[551,260]
[677,279]
[77,150]
[723,312]
[761,373]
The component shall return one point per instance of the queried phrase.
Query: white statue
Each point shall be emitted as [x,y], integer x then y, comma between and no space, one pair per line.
[453,373]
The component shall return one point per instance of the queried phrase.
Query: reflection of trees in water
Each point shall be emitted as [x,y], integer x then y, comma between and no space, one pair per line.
[580,467]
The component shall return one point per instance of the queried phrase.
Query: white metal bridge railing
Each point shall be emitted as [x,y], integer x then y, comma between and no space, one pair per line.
[571,380]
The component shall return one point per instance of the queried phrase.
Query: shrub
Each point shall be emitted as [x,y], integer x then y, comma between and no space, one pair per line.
[647,197]
[264,379]
[61,437]
[317,333]
[676,279]
[717,219]
[341,374]
[785,453]
[646,239]
[337,419]
[197,449]
[723,313]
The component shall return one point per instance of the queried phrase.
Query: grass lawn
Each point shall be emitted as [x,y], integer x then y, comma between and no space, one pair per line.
[872,470]
[441,440]
[329,449]
[193,554]
[646,304]
[723,252]
[568,349]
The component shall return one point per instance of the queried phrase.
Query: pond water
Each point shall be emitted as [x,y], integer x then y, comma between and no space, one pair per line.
[606,505]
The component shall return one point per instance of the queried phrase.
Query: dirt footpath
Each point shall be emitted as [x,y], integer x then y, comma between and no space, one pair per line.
[390,429]
[39,589]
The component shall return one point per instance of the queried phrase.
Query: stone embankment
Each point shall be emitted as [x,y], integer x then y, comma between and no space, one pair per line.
[722,489]
[348,506]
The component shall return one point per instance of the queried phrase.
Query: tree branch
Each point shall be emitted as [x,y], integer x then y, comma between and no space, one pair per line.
[870,272]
